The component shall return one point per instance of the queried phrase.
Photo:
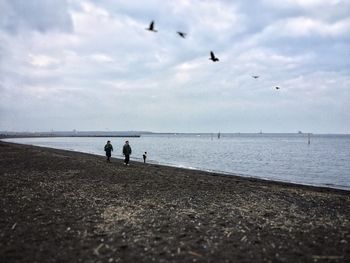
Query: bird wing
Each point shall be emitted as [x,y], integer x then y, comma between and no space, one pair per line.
[182,34]
[151,26]
[212,55]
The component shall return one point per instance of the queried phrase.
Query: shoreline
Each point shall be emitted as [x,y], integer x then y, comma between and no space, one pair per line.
[211,172]
[64,206]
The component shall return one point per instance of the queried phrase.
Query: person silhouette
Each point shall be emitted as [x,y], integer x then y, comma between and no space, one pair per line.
[108,150]
[126,151]
[144,156]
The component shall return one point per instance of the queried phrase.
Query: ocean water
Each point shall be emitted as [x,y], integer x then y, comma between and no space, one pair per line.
[281,157]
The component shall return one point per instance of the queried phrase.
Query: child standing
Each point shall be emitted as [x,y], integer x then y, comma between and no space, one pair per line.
[144,157]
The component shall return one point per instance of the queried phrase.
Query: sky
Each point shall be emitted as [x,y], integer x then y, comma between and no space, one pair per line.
[91,65]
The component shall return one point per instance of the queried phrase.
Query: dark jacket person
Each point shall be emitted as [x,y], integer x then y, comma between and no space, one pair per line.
[126,152]
[108,150]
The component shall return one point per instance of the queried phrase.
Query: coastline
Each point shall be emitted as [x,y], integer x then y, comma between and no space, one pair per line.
[69,206]
[209,171]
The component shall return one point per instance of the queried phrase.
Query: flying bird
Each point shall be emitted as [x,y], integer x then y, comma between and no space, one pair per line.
[277,87]
[181,34]
[151,27]
[212,57]
[255,76]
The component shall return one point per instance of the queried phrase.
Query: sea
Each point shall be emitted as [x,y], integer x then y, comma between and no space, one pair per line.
[325,161]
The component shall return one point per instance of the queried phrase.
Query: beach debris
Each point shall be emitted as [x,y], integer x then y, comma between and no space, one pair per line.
[195,254]
[212,57]
[14,226]
[96,250]
[151,27]
[327,257]
[244,239]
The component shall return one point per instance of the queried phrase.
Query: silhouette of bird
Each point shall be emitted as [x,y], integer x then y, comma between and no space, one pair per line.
[181,34]
[277,88]
[151,27]
[255,76]
[212,57]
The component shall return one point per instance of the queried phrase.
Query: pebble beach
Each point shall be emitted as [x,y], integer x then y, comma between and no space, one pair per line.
[62,206]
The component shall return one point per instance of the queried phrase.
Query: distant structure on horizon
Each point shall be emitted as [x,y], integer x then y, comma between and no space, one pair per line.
[73,133]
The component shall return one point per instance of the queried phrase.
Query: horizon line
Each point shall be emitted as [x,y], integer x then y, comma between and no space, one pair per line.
[168,132]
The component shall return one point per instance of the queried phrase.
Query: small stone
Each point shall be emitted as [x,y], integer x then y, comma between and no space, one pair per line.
[124,246]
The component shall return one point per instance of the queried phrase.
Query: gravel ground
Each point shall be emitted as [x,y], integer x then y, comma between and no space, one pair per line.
[61,206]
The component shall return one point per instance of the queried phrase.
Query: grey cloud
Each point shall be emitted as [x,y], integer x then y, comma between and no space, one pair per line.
[110,72]
[39,15]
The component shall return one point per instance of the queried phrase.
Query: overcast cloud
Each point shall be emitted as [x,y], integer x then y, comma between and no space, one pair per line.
[91,65]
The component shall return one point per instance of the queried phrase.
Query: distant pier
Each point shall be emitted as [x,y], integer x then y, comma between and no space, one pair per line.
[5,136]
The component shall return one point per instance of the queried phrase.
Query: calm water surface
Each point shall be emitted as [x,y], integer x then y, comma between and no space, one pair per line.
[282,157]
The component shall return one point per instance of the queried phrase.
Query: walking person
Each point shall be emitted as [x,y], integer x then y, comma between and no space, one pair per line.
[126,152]
[144,156]
[108,150]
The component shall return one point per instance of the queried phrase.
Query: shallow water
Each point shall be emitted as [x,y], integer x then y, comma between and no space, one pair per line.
[282,157]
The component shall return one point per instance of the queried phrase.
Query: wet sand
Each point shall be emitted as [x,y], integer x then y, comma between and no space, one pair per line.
[61,206]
